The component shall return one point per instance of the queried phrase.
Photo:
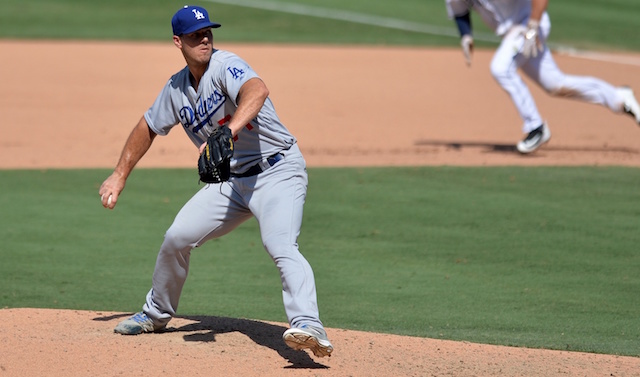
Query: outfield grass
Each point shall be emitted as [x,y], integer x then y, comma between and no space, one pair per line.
[537,257]
[593,24]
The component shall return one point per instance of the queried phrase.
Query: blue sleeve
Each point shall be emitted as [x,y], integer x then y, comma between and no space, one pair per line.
[464,24]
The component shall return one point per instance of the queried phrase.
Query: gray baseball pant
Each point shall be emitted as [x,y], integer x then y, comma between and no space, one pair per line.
[276,198]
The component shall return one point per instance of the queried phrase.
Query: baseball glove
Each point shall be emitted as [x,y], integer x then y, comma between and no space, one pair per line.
[214,161]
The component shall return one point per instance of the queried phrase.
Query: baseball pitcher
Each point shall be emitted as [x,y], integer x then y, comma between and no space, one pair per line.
[251,165]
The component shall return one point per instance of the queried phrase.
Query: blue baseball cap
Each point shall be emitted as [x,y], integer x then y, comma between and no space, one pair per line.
[191,18]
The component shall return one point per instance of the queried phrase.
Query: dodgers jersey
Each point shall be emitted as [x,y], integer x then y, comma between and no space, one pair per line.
[213,104]
[499,15]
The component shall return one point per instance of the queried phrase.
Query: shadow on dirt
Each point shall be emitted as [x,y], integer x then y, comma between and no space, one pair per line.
[264,334]
[511,148]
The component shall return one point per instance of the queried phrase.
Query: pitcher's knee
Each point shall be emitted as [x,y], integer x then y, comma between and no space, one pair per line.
[176,239]
[279,248]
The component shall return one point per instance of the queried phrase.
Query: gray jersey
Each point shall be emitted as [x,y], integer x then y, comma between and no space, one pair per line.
[213,104]
[499,15]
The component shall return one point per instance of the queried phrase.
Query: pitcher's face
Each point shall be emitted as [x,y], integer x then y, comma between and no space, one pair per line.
[196,47]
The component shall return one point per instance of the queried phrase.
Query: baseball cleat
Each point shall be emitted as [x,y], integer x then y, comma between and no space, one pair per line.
[308,337]
[136,324]
[630,104]
[534,139]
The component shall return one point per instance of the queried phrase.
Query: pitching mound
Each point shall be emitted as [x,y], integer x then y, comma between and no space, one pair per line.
[35,342]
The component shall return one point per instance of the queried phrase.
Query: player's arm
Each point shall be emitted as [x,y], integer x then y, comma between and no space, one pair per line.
[466,37]
[250,100]
[136,146]
[463,23]
[538,7]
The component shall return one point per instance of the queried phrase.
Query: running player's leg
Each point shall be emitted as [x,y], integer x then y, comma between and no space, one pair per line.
[548,75]
[545,71]
[504,68]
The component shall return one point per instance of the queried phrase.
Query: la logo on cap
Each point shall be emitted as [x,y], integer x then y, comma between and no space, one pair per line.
[198,14]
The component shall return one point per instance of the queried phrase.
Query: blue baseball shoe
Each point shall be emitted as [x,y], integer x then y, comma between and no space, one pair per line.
[136,324]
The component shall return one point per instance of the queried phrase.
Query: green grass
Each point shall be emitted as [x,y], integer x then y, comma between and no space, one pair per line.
[536,257]
[594,24]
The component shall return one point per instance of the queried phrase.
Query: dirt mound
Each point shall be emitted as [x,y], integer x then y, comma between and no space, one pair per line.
[82,343]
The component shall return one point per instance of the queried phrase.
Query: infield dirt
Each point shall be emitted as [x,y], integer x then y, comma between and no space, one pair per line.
[348,106]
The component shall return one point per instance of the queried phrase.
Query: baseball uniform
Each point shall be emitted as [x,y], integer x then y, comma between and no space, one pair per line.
[508,19]
[268,180]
